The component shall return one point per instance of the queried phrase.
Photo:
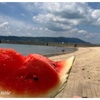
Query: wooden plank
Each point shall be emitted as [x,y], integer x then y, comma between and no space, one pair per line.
[79,89]
[89,94]
[70,94]
[66,91]
[84,89]
[75,88]
[94,94]
[84,92]
[97,88]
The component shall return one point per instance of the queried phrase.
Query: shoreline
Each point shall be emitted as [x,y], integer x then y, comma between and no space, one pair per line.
[60,53]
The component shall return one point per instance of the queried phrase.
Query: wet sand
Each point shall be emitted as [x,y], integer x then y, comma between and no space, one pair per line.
[85,73]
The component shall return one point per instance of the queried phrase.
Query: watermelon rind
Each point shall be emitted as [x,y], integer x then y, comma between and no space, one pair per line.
[64,75]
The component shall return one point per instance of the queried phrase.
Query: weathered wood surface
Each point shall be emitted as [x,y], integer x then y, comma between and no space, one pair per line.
[84,78]
[82,89]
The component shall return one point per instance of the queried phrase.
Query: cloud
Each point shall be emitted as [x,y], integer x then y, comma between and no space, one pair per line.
[96,17]
[11,26]
[65,16]
[32,7]
[16,27]
[4,28]
[61,16]
[67,10]
[4,25]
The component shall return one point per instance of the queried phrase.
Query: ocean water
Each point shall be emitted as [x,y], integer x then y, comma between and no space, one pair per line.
[44,50]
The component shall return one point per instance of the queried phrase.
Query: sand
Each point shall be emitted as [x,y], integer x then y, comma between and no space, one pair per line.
[86,69]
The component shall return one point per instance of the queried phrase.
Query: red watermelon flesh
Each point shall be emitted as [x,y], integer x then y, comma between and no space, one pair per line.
[37,76]
[10,61]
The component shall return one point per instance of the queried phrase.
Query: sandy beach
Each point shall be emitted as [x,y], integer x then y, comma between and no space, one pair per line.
[84,78]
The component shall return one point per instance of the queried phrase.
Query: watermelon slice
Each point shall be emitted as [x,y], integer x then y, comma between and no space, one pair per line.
[32,76]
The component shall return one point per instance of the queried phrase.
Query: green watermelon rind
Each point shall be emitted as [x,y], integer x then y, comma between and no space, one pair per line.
[66,78]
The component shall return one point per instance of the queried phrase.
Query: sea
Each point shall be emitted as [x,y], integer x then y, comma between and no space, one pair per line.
[26,49]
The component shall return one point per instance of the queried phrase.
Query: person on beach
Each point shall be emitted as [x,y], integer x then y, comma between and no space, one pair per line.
[63,50]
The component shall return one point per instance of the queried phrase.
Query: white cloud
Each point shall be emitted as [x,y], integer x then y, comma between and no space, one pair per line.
[82,32]
[96,13]
[54,14]
[64,16]
[4,24]
[29,34]
[61,16]
[4,28]
[67,10]
[32,7]
[54,23]
[11,26]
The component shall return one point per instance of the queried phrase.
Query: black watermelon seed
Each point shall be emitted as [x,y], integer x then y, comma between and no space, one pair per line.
[35,77]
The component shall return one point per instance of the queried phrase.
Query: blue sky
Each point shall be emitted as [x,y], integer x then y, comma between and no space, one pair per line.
[75,19]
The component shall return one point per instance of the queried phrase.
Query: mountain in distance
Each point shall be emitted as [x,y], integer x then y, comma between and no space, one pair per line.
[41,39]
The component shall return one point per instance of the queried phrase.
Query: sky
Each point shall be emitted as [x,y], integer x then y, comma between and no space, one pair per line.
[51,19]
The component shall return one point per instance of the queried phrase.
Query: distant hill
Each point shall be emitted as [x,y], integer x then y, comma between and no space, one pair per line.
[41,39]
